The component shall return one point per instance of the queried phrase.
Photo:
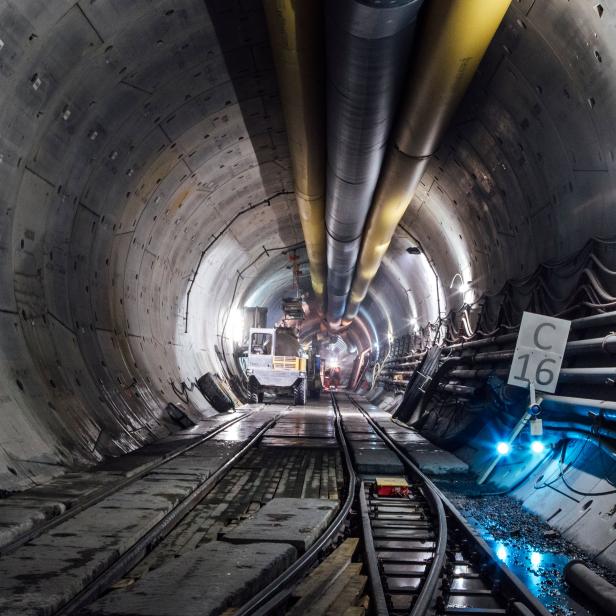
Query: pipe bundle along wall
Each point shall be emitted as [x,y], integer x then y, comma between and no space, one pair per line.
[368,45]
[296,36]
[593,416]
[454,38]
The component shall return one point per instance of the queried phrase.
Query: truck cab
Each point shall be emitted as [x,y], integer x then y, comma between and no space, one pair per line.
[274,364]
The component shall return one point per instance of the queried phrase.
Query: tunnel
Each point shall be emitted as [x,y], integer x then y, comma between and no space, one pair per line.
[151,194]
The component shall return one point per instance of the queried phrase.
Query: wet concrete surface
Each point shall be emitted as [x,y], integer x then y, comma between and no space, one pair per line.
[44,574]
[532,549]
[296,521]
[202,582]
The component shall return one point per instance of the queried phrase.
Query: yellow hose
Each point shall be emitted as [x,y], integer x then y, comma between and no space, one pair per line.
[296,35]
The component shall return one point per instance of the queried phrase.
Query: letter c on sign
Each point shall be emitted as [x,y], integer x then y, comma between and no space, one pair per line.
[536,340]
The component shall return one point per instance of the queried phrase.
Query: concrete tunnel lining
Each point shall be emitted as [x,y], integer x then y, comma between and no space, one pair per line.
[125,145]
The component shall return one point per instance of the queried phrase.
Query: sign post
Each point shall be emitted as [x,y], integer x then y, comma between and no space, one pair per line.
[536,364]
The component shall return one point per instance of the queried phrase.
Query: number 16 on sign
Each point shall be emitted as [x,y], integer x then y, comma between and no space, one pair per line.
[539,352]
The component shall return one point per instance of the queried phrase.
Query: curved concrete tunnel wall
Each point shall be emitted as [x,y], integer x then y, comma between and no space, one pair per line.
[126,145]
[131,134]
[526,173]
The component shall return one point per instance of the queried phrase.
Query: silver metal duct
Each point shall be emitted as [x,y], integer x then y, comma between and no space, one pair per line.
[368,44]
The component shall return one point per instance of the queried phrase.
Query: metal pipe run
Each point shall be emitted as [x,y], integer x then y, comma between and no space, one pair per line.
[593,586]
[455,36]
[459,390]
[606,344]
[296,36]
[607,408]
[583,376]
[582,432]
[595,320]
[368,45]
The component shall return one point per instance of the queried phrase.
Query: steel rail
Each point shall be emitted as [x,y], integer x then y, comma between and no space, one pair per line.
[279,590]
[155,535]
[109,490]
[427,595]
[527,599]
[374,577]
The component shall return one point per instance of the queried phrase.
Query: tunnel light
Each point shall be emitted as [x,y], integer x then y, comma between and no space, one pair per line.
[501,552]
[236,325]
[463,286]
[503,448]
[537,447]
[535,559]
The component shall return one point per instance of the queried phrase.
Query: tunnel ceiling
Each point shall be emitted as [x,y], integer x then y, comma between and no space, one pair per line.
[143,153]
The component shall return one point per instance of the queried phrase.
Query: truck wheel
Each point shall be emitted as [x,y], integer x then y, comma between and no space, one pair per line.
[299,393]
[255,395]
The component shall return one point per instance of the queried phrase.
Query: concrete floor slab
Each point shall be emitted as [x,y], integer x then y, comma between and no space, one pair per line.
[204,582]
[214,449]
[377,461]
[436,461]
[20,513]
[298,521]
[406,436]
[427,456]
[306,431]
[306,418]
[363,436]
[41,576]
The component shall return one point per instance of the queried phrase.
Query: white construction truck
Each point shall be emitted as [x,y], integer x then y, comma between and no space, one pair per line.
[274,363]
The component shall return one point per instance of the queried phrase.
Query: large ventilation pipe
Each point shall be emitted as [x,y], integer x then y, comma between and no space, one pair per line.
[297,41]
[455,35]
[368,44]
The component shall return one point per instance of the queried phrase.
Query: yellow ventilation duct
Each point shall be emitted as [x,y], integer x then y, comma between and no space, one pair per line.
[453,39]
[296,35]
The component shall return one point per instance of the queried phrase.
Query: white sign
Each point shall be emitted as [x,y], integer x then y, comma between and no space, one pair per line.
[539,352]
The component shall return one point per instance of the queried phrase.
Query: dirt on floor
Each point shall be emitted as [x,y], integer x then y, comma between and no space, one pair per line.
[530,547]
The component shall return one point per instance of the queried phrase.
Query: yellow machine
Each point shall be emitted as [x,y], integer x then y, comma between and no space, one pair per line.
[274,364]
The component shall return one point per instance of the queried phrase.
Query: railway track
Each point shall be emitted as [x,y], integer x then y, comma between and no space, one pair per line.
[419,553]
[92,499]
[424,558]
[128,529]
[158,532]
